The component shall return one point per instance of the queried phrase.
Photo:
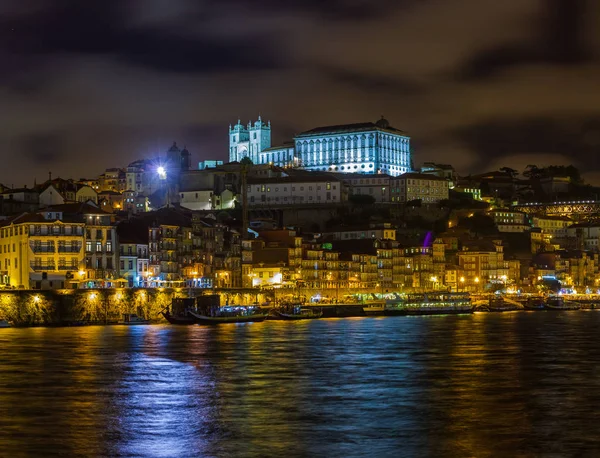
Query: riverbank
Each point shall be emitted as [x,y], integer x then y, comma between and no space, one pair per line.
[99,306]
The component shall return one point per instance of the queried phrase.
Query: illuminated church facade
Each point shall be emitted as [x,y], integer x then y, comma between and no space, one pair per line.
[351,148]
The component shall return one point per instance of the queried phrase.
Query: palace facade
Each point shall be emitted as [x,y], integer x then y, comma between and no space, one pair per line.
[351,148]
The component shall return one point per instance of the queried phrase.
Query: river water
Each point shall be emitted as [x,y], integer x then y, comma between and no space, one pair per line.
[512,384]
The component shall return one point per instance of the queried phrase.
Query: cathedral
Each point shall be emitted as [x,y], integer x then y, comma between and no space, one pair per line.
[370,147]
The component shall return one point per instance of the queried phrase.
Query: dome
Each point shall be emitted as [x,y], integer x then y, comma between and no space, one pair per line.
[383,123]
[174,148]
[185,152]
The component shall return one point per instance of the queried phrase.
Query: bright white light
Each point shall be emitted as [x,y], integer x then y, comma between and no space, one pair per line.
[162,173]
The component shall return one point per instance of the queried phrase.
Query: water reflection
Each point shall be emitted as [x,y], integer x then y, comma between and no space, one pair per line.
[484,385]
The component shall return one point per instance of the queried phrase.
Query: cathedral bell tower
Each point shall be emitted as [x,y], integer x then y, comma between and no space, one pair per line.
[238,142]
[260,139]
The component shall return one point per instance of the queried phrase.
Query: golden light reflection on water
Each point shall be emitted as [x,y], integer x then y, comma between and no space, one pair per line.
[482,385]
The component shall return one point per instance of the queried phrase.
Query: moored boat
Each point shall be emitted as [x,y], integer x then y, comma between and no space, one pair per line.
[374,308]
[299,313]
[4,324]
[182,320]
[503,304]
[436,303]
[558,303]
[131,319]
[179,312]
[229,314]
[534,303]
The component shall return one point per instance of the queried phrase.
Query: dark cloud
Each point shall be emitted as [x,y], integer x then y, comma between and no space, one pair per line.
[578,139]
[336,10]
[472,81]
[43,148]
[558,37]
[100,28]
[368,81]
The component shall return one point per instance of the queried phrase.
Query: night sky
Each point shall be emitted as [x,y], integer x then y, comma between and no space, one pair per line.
[86,85]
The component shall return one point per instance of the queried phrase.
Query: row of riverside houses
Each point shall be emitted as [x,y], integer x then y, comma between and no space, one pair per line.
[158,222]
[80,245]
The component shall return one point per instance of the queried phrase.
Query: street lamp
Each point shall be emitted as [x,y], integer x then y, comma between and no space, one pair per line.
[462,283]
[162,173]
[434,281]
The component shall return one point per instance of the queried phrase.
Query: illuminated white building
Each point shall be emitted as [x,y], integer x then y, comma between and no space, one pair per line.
[351,148]
[308,189]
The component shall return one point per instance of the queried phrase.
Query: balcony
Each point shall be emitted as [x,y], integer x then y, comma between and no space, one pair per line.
[69,249]
[56,234]
[66,267]
[37,249]
[42,267]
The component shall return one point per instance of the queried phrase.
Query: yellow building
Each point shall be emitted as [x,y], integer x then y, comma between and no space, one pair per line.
[418,186]
[34,249]
[268,275]
[482,262]
[554,228]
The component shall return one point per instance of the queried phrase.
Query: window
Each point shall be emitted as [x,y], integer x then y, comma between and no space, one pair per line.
[122,265]
[328,186]
[301,188]
[98,247]
[109,247]
[99,233]
[130,265]
[88,246]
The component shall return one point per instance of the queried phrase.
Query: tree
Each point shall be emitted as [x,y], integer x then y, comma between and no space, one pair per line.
[246,161]
[510,172]
[532,171]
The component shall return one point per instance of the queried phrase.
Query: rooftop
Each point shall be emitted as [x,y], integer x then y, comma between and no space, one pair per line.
[299,178]
[421,176]
[76,208]
[381,125]
[286,145]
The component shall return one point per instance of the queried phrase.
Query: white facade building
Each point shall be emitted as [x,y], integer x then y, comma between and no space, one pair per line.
[295,190]
[366,148]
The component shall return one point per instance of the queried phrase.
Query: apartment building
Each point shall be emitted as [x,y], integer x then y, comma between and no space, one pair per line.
[304,189]
[36,252]
[418,186]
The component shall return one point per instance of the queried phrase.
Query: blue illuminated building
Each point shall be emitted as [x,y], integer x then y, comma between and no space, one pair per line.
[351,148]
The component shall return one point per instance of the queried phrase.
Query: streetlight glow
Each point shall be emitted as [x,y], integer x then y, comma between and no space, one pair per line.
[162,173]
